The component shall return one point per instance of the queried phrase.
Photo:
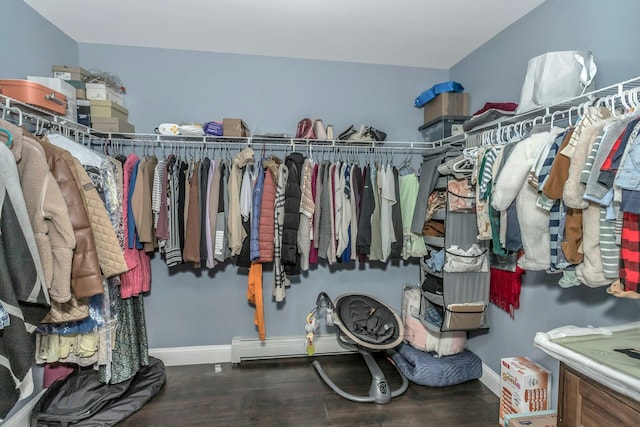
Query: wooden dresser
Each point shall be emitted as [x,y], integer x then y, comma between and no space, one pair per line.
[585,402]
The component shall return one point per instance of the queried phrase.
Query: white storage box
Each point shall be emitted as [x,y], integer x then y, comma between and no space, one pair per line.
[102,92]
[59,85]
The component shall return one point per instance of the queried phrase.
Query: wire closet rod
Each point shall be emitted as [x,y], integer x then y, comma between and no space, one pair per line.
[259,142]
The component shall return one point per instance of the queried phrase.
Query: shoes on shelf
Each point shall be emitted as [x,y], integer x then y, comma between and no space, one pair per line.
[319,129]
[305,129]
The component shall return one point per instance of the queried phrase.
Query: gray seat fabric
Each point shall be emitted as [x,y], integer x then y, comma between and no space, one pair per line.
[427,369]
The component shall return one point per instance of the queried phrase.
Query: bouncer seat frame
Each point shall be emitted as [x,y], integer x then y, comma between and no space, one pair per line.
[378,337]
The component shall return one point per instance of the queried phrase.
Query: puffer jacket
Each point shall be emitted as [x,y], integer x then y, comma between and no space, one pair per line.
[48,213]
[266,230]
[256,210]
[85,269]
[291,223]
[109,252]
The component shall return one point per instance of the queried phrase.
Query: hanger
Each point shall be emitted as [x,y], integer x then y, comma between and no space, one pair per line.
[623,100]
[9,136]
[461,164]
[406,165]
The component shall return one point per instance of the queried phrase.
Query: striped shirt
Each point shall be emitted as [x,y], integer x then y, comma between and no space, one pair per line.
[280,279]
[156,194]
[173,254]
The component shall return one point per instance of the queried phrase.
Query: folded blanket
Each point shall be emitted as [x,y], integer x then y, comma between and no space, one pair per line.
[489,112]
[488,116]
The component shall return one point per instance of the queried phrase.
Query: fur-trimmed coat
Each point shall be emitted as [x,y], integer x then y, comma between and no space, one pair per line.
[512,185]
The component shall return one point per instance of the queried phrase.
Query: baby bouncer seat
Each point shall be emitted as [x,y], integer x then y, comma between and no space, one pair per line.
[364,324]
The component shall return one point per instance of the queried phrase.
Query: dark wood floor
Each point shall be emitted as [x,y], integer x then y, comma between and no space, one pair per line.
[289,392]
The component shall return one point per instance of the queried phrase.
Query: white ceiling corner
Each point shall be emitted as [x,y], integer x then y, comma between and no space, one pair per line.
[419,33]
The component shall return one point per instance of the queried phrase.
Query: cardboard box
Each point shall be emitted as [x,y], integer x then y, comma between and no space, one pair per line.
[462,317]
[524,387]
[112,124]
[447,104]
[101,108]
[65,72]
[235,127]
[102,92]
[532,419]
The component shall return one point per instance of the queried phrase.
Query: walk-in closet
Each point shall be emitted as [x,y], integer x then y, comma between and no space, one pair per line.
[319,213]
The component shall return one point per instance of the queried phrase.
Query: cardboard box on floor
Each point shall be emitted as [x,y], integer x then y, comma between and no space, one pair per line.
[235,127]
[447,104]
[524,387]
[532,419]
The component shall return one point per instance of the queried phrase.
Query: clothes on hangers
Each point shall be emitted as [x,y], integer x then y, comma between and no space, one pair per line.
[571,177]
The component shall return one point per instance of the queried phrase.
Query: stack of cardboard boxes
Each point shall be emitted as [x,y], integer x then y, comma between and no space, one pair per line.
[444,116]
[98,105]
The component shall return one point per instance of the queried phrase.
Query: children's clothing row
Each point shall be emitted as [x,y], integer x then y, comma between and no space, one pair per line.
[568,198]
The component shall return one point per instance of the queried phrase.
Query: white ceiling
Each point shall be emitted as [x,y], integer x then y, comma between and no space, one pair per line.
[421,33]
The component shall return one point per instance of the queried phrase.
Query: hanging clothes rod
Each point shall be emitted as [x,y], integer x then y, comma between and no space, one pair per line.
[258,141]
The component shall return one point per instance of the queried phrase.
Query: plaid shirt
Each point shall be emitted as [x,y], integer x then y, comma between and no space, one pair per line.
[630,252]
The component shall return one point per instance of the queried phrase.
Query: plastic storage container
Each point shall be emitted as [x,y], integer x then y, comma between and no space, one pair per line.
[442,127]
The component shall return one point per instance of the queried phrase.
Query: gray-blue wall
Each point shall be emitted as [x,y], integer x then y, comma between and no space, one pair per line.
[270,94]
[495,72]
[187,308]
[29,44]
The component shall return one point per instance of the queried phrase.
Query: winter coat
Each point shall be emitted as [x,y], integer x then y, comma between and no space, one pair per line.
[236,231]
[291,223]
[48,213]
[110,253]
[23,289]
[266,230]
[256,210]
[86,279]
[511,185]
